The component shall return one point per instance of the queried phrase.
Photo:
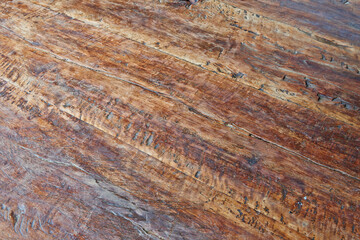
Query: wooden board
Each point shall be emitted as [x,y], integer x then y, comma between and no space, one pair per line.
[166,120]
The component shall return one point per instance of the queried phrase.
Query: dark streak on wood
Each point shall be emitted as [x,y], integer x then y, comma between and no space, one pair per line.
[179,119]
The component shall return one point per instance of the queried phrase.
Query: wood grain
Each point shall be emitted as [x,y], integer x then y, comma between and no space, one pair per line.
[165,120]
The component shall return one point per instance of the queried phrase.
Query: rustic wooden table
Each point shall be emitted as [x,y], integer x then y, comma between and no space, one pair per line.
[162,119]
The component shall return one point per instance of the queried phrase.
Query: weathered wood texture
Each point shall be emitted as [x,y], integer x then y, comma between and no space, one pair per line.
[164,120]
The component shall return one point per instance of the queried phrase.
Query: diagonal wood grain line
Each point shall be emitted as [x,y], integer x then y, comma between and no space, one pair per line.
[77,115]
[248,130]
[335,114]
[269,87]
[35,96]
[315,16]
[196,111]
[243,154]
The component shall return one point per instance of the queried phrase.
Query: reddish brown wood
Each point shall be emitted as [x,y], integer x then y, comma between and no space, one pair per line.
[164,120]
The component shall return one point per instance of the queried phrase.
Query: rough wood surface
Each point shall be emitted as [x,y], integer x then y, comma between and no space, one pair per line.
[162,119]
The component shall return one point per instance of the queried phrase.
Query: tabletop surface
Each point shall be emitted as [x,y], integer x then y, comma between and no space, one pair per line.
[170,119]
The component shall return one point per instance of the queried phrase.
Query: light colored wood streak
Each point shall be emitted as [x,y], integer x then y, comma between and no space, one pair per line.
[158,120]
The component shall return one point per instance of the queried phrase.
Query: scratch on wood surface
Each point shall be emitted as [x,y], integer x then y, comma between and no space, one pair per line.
[179,119]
